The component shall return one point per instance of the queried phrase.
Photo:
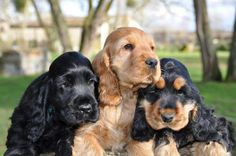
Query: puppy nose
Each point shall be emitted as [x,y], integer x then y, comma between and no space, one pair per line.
[167,118]
[86,108]
[151,62]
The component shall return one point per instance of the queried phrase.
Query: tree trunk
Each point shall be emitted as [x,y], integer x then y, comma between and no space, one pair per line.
[21,7]
[91,24]
[61,25]
[50,35]
[211,69]
[231,73]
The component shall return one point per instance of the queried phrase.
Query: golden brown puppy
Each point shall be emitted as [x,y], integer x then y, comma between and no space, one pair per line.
[126,63]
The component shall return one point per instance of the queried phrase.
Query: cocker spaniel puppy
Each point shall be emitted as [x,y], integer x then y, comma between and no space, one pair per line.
[126,63]
[173,113]
[52,106]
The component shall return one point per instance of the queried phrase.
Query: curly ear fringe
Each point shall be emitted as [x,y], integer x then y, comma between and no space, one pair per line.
[35,99]
[109,91]
[207,127]
[29,118]
[203,126]
[227,131]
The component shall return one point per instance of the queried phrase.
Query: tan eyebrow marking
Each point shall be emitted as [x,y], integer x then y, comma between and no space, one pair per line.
[161,83]
[179,83]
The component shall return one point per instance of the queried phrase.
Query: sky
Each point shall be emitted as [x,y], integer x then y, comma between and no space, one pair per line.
[172,15]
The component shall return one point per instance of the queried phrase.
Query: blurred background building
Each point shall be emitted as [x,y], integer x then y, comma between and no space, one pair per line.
[199,33]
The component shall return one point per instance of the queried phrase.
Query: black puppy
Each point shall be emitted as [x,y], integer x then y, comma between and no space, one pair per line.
[173,113]
[52,106]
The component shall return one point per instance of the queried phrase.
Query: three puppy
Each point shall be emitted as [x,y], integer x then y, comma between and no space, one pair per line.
[52,106]
[173,113]
[53,111]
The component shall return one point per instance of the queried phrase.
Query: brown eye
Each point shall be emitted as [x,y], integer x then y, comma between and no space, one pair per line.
[92,81]
[129,47]
[64,86]
[152,47]
[181,92]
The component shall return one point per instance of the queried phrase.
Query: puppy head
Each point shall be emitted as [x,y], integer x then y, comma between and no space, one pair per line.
[174,101]
[127,59]
[73,89]
[132,56]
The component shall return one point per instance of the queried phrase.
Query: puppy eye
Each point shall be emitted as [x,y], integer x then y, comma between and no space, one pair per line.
[91,81]
[180,92]
[68,81]
[152,91]
[129,47]
[152,47]
[65,85]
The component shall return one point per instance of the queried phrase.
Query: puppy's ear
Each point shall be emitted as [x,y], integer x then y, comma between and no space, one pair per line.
[226,129]
[34,100]
[141,131]
[109,91]
[204,125]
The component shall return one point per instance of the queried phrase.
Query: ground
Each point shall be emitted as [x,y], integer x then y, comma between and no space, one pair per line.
[221,96]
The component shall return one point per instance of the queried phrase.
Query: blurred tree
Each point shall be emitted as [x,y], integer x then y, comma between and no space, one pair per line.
[96,15]
[231,73]
[130,3]
[60,24]
[49,33]
[21,7]
[5,16]
[211,69]
[4,7]
[137,5]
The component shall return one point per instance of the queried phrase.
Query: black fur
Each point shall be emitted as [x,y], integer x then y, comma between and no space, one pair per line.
[204,128]
[52,106]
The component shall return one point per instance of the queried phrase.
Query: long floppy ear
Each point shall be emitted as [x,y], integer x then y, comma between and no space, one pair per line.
[203,122]
[227,131]
[109,91]
[141,131]
[34,103]
[204,125]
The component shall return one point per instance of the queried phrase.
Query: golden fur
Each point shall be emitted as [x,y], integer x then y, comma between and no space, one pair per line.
[204,149]
[167,150]
[122,71]
[195,149]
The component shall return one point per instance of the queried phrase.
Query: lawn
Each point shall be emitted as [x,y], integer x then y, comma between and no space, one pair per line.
[221,96]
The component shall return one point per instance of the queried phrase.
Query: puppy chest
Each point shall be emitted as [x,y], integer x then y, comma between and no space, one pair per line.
[117,140]
[120,116]
[118,121]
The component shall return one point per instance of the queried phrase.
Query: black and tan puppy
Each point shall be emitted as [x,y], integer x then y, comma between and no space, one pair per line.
[172,112]
[52,106]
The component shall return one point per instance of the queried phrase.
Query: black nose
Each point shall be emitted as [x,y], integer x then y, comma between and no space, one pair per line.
[151,62]
[86,108]
[167,118]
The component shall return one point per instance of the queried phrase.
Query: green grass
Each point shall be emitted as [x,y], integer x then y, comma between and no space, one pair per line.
[193,62]
[11,90]
[221,96]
